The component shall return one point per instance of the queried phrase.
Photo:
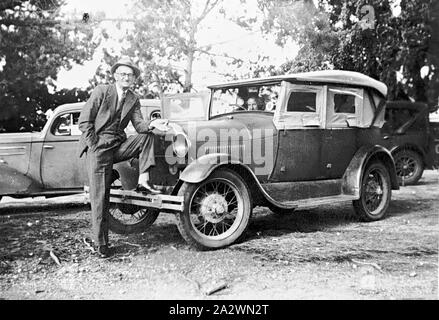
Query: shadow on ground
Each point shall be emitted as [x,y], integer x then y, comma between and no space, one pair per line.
[59,228]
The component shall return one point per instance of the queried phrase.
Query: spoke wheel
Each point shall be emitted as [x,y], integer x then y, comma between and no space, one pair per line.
[375,193]
[128,219]
[409,167]
[216,211]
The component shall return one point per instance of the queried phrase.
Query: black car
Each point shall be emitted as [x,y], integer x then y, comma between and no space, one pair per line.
[410,137]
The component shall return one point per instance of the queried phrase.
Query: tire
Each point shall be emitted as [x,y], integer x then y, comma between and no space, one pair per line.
[130,219]
[375,193]
[216,211]
[409,167]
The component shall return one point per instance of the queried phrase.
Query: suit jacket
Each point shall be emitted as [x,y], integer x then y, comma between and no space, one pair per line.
[99,111]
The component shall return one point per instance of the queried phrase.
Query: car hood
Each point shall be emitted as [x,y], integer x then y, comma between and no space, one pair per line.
[249,126]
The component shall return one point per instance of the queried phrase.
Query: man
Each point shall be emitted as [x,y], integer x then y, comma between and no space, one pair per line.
[102,122]
[252,104]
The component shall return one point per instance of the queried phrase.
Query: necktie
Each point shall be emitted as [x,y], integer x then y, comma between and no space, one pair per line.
[118,112]
[122,101]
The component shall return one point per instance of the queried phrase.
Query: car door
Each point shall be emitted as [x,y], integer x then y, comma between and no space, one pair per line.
[300,122]
[434,147]
[61,167]
[344,119]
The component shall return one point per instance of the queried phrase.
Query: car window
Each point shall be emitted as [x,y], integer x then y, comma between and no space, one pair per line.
[302,102]
[344,103]
[66,125]
[185,108]
[302,107]
[245,98]
[344,107]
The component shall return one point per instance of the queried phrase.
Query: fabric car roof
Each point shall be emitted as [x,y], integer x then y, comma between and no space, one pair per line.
[325,76]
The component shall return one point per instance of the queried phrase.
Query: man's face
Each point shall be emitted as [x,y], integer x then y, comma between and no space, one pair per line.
[124,77]
[252,105]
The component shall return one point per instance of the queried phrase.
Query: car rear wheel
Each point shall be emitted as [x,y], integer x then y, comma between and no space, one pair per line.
[128,219]
[409,167]
[375,193]
[216,211]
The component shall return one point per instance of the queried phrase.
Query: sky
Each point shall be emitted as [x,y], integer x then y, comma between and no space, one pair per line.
[228,37]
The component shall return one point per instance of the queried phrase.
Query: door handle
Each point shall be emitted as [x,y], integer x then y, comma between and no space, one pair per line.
[46,146]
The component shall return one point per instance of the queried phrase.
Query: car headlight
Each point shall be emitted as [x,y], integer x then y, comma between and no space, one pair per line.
[180,145]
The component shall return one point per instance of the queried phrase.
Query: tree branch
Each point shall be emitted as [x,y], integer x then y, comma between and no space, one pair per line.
[217,55]
[206,10]
[51,22]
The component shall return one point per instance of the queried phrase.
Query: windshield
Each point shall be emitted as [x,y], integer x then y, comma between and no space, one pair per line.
[245,98]
[186,106]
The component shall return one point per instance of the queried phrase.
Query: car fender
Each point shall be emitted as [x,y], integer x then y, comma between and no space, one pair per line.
[13,182]
[352,177]
[200,169]
[412,147]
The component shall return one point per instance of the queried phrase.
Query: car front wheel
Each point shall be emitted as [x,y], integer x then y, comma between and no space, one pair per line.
[127,218]
[375,193]
[409,167]
[216,211]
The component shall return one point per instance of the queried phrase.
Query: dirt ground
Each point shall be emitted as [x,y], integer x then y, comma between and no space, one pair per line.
[318,253]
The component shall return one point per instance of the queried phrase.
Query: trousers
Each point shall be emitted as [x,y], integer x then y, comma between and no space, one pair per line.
[99,169]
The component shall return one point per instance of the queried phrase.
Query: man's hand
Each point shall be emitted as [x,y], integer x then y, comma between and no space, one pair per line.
[159,124]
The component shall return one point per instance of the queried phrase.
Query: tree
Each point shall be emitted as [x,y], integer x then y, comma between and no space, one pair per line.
[363,36]
[164,35]
[35,41]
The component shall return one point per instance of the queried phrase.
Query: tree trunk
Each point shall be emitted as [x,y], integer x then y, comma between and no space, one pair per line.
[188,72]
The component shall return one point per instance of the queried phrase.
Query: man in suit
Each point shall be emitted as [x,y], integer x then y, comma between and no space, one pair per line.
[104,142]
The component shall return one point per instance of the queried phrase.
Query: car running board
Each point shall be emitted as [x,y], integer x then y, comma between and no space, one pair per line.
[315,202]
[158,201]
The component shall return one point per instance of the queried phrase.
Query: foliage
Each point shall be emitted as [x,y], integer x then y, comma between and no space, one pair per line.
[35,41]
[349,35]
[164,36]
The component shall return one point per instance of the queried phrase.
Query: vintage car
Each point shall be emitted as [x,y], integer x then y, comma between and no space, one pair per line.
[46,163]
[434,130]
[411,139]
[312,139]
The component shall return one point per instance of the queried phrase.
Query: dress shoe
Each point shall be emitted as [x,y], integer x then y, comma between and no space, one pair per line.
[103,251]
[145,187]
